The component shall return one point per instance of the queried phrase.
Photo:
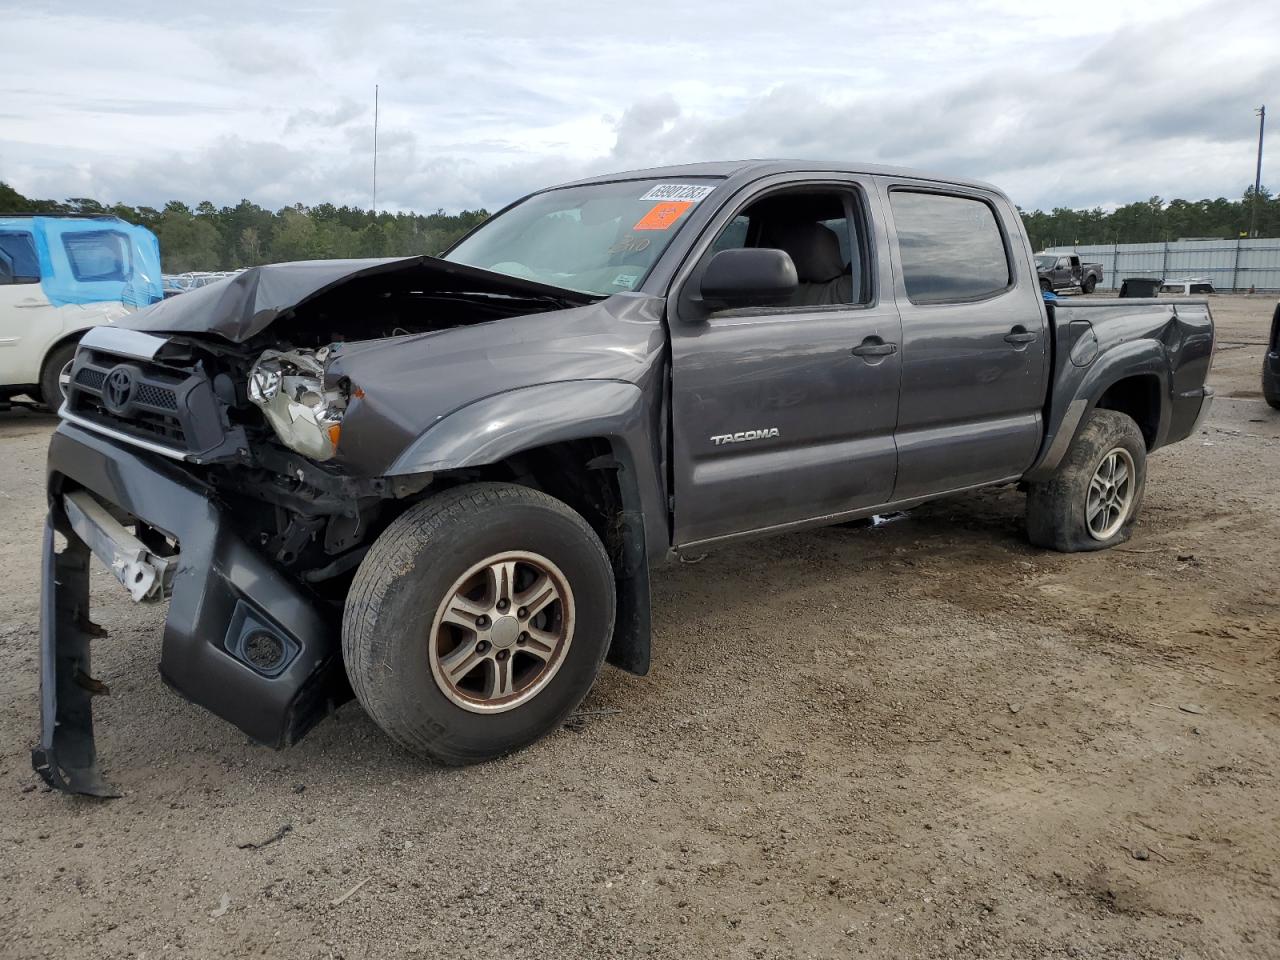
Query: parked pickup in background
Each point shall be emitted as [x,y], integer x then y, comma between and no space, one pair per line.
[1061,271]
[442,482]
[60,276]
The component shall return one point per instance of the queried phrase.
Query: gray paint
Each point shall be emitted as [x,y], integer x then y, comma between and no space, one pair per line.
[791,370]
[971,401]
[838,435]
[955,406]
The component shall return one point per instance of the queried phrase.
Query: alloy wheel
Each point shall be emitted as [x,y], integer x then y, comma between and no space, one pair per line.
[1110,496]
[501,632]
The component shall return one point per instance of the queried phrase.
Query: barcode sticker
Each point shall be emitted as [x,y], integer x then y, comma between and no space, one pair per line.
[689,192]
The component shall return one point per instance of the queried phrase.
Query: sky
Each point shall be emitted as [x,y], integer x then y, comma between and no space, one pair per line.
[1082,104]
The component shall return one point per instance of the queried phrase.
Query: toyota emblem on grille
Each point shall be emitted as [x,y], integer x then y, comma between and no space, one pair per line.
[118,390]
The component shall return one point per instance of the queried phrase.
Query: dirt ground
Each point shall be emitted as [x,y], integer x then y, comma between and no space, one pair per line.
[923,739]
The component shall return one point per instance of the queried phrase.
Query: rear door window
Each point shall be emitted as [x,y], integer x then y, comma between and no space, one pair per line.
[951,247]
[97,255]
[18,250]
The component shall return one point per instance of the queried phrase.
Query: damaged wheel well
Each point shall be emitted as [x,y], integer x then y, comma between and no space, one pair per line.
[593,478]
[1139,398]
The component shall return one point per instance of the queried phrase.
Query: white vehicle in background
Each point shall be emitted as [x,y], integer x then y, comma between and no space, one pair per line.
[176,283]
[60,276]
[1186,286]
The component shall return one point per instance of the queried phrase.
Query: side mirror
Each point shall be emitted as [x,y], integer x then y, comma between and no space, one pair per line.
[749,277]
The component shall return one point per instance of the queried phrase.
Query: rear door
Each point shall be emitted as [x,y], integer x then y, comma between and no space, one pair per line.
[975,351]
[784,414]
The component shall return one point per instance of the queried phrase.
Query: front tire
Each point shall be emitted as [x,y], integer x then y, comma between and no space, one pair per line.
[1093,499]
[478,620]
[53,376]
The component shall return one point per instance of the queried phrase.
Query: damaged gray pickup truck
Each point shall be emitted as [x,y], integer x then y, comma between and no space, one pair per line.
[441,483]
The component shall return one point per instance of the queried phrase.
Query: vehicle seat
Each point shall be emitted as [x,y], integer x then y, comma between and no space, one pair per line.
[815,251]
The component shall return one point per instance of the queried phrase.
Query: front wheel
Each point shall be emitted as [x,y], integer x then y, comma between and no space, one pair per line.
[1093,499]
[478,620]
[56,374]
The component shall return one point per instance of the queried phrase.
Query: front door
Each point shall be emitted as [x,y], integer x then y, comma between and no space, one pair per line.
[26,315]
[783,414]
[974,340]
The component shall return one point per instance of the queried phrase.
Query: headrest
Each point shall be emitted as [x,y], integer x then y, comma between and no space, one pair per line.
[813,248]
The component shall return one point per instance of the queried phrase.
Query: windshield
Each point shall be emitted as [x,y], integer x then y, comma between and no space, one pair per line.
[1044,263]
[602,238]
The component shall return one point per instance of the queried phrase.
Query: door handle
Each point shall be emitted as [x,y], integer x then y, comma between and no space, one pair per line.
[1019,335]
[874,347]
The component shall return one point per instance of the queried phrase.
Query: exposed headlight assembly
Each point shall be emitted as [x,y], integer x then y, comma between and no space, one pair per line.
[289,387]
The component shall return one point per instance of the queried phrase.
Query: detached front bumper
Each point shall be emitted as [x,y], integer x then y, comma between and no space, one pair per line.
[240,638]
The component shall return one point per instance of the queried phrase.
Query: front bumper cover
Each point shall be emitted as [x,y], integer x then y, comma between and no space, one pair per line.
[229,603]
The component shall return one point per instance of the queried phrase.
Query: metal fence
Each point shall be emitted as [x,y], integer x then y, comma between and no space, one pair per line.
[1230,264]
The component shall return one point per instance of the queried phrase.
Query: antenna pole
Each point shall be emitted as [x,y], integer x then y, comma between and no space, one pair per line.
[1257,177]
[375,149]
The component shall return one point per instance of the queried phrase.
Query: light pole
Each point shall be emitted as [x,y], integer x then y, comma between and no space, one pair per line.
[1257,177]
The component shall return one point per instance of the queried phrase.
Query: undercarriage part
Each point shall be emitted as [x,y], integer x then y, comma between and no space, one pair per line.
[146,575]
[300,531]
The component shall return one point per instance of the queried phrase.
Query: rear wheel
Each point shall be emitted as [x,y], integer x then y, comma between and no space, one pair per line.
[1093,499]
[1089,284]
[478,620]
[56,374]
[1270,385]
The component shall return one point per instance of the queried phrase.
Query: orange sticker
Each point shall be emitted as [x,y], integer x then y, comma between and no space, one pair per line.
[663,215]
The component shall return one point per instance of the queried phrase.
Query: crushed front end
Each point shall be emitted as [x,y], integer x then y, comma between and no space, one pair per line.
[239,472]
[164,471]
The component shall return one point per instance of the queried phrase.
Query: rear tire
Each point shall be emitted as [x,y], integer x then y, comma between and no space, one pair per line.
[56,364]
[1270,387]
[1089,284]
[1082,507]
[413,616]
[1273,400]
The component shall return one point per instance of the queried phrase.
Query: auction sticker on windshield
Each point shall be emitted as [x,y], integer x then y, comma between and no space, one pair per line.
[662,215]
[689,192]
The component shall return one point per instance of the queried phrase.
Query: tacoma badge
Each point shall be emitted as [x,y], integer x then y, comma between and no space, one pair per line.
[745,435]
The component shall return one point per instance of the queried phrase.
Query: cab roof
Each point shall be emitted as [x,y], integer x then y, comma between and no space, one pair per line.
[746,170]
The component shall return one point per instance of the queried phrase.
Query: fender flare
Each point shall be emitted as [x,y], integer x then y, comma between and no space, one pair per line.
[496,427]
[1082,387]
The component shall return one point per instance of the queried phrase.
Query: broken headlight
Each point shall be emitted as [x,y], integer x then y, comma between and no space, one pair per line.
[290,388]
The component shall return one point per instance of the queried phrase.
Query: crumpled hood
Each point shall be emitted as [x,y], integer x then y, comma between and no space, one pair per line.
[244,305]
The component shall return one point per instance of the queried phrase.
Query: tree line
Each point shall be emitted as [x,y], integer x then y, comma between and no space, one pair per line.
[207,237]
[1155,221]
[226,238]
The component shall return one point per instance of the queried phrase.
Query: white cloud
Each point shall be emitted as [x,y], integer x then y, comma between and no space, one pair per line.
[485,101]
